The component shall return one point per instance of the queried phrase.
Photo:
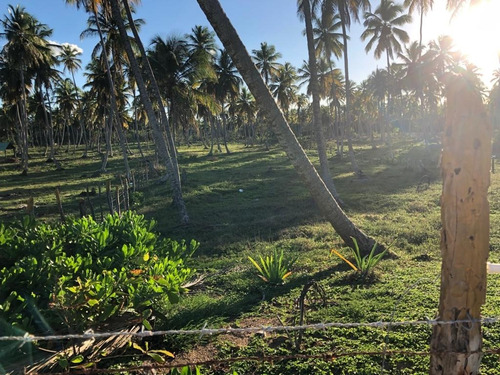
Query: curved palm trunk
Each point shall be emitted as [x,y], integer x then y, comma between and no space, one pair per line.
[167,155]
[156,92]
[352,157]
[320,193]
[465,165]
[313,82]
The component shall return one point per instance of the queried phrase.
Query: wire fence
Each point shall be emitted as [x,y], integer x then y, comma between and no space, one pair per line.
[27,338]
[329,356]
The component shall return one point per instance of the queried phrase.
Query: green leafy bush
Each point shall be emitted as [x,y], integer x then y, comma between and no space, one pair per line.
[275,268]
[81,273]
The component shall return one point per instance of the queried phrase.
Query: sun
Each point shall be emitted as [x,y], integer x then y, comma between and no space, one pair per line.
[475,30]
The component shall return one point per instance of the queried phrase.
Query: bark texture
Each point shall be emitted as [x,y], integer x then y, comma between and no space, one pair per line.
[465,165]
[320,193]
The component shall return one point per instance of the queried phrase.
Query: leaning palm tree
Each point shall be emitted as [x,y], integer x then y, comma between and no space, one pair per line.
[320,193]
[166,149]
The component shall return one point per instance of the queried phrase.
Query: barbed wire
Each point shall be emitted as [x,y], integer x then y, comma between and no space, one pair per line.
[27,337]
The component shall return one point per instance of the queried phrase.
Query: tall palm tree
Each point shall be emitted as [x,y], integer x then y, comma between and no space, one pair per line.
[383,30]
[68,56]
[347,10]
[26,48]
[227,86]
[326,38]
[266,60]
[305,12]
[101,16]
[423,6]
[166,149]
[320,193]
[386,36]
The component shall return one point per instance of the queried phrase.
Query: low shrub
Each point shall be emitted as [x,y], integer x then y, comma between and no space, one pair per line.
[78,274]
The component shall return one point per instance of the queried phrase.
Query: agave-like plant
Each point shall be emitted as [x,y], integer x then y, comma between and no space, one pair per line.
[274,268]
[364,265]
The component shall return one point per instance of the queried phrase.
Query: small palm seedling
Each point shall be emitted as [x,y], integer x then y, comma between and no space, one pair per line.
[274,268]
[364,264]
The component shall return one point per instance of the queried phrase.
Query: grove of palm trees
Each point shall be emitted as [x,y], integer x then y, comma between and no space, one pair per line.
[195,183]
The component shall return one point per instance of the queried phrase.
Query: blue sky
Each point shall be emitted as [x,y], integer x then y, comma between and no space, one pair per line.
[273,21]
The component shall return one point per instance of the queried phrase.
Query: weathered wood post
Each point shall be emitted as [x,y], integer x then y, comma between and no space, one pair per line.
[465,165]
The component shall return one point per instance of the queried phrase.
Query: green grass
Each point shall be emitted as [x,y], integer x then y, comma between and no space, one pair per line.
[275,211]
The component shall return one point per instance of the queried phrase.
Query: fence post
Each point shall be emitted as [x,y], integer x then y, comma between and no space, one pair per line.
[109,197]
[465,165]
[59,204]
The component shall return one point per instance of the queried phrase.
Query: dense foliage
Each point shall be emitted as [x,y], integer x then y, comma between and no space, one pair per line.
[81,273]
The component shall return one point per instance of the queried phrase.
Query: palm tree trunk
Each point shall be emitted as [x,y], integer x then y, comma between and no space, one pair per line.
[355,167]
[465,165]
[24,127]
[167,154]
[319,191]
[114,107]
[313,82]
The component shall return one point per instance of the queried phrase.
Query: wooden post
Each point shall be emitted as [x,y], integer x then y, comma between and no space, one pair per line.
[59,204]
[100,204]
[109,197]
[118,200]
[92,212]
[465,165]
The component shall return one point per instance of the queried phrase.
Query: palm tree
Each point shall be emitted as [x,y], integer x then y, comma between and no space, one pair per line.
[347,10]
[385,35]
[326,38]
[247,109]
[383,32]
[166,149]
[68,56]
[320,193]
[227,86]
[26,49]
[305,12]
[424,6]
[67,100]
[100,17]
[284,88]
[265,59]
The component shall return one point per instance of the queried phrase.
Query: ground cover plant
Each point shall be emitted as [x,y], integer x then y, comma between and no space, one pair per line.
[249,203]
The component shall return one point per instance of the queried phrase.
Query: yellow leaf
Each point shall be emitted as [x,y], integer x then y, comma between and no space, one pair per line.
[344,259]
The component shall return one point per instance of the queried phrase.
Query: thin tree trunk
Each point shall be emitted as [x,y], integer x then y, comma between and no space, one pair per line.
[313,82]
[465,165]
[167,151]
[112,96]
[319,191]
[24,127]
[355,167]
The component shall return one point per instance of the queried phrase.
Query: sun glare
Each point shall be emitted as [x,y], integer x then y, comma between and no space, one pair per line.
[476,33]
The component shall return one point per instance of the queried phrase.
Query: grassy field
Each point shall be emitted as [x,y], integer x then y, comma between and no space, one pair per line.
[251,202]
